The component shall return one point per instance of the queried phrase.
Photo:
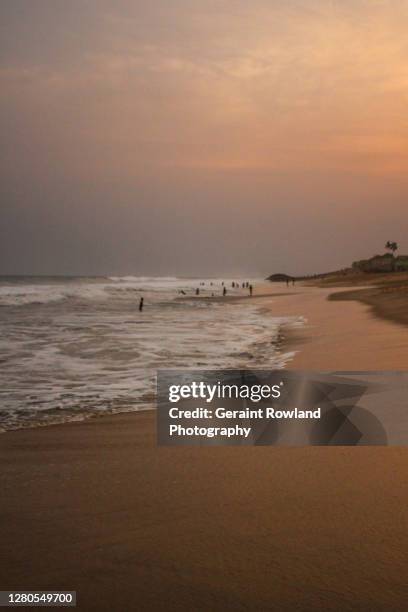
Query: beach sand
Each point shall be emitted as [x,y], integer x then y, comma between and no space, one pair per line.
[98,508]
[342,334]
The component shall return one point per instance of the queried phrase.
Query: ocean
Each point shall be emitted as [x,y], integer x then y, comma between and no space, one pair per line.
[75,347]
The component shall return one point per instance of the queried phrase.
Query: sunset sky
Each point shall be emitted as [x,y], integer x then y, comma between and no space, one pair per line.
[200,136]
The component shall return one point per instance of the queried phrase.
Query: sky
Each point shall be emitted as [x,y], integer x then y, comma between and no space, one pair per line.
[201,137]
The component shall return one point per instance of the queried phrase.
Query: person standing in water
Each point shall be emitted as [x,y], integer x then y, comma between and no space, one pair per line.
[197,291]
[250,289]
[141,304]
[224,291]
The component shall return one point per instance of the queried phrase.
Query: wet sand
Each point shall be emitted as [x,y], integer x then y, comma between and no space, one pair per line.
[386,293]
[341,334]
[99,508]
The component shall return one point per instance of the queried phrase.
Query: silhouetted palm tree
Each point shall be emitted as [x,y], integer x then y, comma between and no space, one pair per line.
[392,246]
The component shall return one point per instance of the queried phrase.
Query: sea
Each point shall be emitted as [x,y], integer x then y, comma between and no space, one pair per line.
[74,347]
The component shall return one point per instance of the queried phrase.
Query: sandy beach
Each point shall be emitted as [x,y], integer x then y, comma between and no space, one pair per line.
[205,204]
[98,508]
[342,334]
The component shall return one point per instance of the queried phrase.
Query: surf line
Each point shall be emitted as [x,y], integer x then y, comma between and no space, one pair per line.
[210,432]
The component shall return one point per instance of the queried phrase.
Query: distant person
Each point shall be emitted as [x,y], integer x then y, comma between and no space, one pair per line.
[233,284]
[224,291]
[243,285]
[287,282]
[250,289]
[222,283]
[141,304]
[197,291]
[293,281]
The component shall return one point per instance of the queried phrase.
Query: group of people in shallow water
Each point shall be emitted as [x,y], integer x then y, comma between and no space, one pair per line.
[247,285]
[234,285]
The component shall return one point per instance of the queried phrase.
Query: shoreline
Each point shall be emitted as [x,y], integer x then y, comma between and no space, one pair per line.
[97,507]
[278,344]
[341,335]
[386,294]
[300,340]
[385,303]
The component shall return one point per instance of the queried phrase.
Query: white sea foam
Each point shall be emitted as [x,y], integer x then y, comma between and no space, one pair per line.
[21,295]
[37,291]
[78,347]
